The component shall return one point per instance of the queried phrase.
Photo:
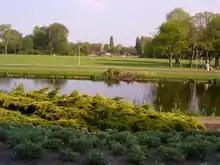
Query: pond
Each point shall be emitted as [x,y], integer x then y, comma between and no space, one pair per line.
[164,95]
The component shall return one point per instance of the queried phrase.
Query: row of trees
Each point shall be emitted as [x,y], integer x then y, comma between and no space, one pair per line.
[52,39]
[183,36]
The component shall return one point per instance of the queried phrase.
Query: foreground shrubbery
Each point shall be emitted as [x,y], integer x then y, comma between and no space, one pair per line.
[45,107]
[28,142]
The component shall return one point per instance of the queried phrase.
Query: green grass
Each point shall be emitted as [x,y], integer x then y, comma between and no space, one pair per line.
[131,62]
[143,68]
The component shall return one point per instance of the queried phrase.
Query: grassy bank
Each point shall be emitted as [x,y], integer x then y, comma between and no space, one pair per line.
[67,67]
[97,73]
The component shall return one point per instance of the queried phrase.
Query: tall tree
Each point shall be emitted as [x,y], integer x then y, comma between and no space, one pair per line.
[111,44]
[178,14]
[138,46]
[10,36]
[56,33]
[170,37]
[200,21]
[28,43]
[107,48]
[4,28]
[40,38]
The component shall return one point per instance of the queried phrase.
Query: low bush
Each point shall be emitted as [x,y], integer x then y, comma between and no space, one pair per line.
[44,107]
[29,142]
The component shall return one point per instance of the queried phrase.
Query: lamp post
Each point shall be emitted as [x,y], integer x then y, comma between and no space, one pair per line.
[79,47]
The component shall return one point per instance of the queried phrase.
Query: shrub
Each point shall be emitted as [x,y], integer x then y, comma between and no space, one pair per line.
[44,107]
[136,155]
[69,154]
[4,135]
[171,154]
[80,144]
[97,158]
[117,148]
[28,150]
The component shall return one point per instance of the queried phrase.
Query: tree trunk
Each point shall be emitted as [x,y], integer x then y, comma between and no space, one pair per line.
[217,61]
[192,57]
[180,58]
[177,60]
[206,57]
[6,49]
[170,61]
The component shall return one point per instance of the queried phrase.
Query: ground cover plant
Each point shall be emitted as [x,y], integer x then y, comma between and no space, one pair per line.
[45,107]
[57,145]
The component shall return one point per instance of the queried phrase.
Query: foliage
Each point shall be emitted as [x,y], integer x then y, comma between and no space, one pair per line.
[97,158]
[44,107]
[118,75]
[29,142]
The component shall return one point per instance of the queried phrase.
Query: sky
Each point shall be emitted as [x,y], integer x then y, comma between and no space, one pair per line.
[96,20]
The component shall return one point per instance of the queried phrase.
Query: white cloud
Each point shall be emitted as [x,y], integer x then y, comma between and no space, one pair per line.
[95,5]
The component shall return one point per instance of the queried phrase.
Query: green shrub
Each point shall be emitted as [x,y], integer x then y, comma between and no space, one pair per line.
[198,149]
[136,155]
[80,144]
[69,154]
[4,135]
[53,144]
[44,107]
[97,158]
[145,138]
[28,150]
[171,154]
[117,148]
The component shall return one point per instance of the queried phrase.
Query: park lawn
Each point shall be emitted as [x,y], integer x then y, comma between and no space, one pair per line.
[131,62]
[67,66]
[141,74]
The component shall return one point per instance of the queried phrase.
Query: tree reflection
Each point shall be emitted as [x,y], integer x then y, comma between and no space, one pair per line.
[172,96]
[55,82]
[210,101]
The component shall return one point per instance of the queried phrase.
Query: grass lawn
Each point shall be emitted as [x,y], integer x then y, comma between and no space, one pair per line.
[66,65]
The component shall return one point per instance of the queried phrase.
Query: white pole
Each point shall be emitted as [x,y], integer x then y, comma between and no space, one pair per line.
[79,55]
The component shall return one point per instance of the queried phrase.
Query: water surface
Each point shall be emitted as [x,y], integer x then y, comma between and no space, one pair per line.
[166,96]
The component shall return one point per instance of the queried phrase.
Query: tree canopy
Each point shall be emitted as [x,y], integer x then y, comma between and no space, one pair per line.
[185,36]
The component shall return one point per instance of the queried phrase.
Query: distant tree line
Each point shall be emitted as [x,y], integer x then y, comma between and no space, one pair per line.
[52,39]
[183,36]
[180,36]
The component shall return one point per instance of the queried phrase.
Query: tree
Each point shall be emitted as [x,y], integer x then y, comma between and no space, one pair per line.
[170,37]
[178,14]
[56,33]
[212,37]
[40,38]
[143,42]
[118,48]
[111,44]
[14,41]
[11,37]
[138,46]
[107,48]
[28,43]
[200,21]
[5,35]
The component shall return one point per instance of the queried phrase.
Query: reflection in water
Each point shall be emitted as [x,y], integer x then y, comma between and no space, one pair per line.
[166,96]
[194,102]
[56,82]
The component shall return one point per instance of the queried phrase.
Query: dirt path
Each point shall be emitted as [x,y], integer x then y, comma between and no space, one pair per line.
[212,123]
